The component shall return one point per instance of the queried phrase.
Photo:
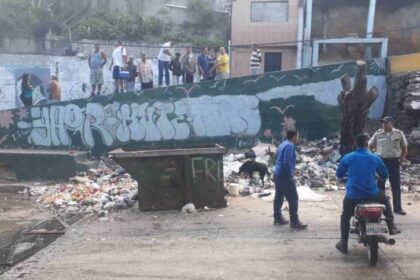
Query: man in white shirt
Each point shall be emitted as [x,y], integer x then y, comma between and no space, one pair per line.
[164,58]
[256,60]
[119,59]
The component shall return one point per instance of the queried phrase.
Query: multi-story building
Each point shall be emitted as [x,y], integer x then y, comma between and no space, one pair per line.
[304,33]
[266,23]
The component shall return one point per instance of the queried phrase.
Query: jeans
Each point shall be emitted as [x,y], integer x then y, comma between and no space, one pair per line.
[285,187]
[130,86]
[348,212]
[393,166]
[255,71]
[187,78]
[163,66]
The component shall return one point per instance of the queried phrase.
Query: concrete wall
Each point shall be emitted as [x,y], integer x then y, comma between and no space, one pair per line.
[246,32]
[231,112]
[73,73]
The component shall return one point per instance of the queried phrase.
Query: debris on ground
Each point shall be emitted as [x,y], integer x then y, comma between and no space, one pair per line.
[189,208]
[316,166]
[404,107]
[99,190]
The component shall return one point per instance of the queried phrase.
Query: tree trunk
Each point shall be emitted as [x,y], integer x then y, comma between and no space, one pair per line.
[354,104]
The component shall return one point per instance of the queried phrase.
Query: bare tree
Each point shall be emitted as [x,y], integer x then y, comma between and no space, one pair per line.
[354,104]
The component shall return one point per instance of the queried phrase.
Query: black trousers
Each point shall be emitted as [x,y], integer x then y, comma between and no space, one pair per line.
[348,212]
[393,166]
[187,78]
[146,85]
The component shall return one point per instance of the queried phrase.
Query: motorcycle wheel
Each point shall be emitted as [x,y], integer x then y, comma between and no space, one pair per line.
[372,250]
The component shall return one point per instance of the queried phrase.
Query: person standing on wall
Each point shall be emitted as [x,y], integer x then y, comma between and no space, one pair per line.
[119,59]
[176,68]
[285,183]
[97,61]
[212,65]
[189,67]
[164,58]
[145,70]
[132,74]
[54,89]
[27,90]
[391,146]
[203,64]
[223,67]
[256,60]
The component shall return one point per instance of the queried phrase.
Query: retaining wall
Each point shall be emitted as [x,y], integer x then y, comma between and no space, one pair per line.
[232,112]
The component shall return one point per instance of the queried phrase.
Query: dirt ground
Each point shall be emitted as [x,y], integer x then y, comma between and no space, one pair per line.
[17,212]
[238,242]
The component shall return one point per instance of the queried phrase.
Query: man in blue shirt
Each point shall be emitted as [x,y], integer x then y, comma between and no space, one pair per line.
[361,168]
[285,184]
[203,64]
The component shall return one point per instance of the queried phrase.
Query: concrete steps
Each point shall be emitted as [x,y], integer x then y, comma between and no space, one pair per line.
[45,164]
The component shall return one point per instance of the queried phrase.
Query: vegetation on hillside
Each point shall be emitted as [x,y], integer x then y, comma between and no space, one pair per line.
[77,19]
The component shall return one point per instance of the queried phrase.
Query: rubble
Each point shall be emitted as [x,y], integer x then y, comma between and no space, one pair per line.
[316,166]
[99,190]
[404,107]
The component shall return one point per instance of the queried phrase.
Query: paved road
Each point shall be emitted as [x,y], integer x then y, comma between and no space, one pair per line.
[238,242]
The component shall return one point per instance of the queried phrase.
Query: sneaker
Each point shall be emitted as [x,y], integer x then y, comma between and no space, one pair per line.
[281,222]
[298,226]
[342,247]
[400,212]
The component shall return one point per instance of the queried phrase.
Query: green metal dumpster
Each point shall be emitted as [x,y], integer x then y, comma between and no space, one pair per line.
[169,178]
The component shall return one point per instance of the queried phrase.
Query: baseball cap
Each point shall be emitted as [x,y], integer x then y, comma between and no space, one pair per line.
[387,119]
[131,57]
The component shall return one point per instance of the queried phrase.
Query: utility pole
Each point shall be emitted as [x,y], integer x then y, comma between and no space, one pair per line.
[370,26]
[307,50]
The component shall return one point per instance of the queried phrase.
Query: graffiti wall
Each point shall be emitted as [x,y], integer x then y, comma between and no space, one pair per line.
[231,112]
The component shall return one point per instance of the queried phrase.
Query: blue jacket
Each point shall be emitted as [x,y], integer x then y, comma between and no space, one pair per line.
[286,159]
[361,167]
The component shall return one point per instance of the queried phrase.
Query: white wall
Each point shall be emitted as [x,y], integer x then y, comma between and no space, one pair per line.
[73,73]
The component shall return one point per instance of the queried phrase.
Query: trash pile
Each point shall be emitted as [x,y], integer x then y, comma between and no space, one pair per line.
[316,166]
[404,107]
[98,190]
[317,162]
[410,177]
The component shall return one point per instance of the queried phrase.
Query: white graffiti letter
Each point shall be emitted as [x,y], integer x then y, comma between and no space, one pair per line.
[73,118]
[95,119]
[182,128]
[152,132]
[164,125]
[59,135]
[123,116]
[41,130]
[138,132]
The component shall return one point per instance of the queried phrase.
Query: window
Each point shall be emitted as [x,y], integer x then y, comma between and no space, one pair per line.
[270,11]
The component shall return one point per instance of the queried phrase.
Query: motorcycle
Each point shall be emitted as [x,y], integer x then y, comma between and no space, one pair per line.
[368,224]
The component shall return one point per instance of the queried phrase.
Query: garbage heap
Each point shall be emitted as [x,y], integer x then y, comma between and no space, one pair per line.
[106,188]
[317,162]
[404,107]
